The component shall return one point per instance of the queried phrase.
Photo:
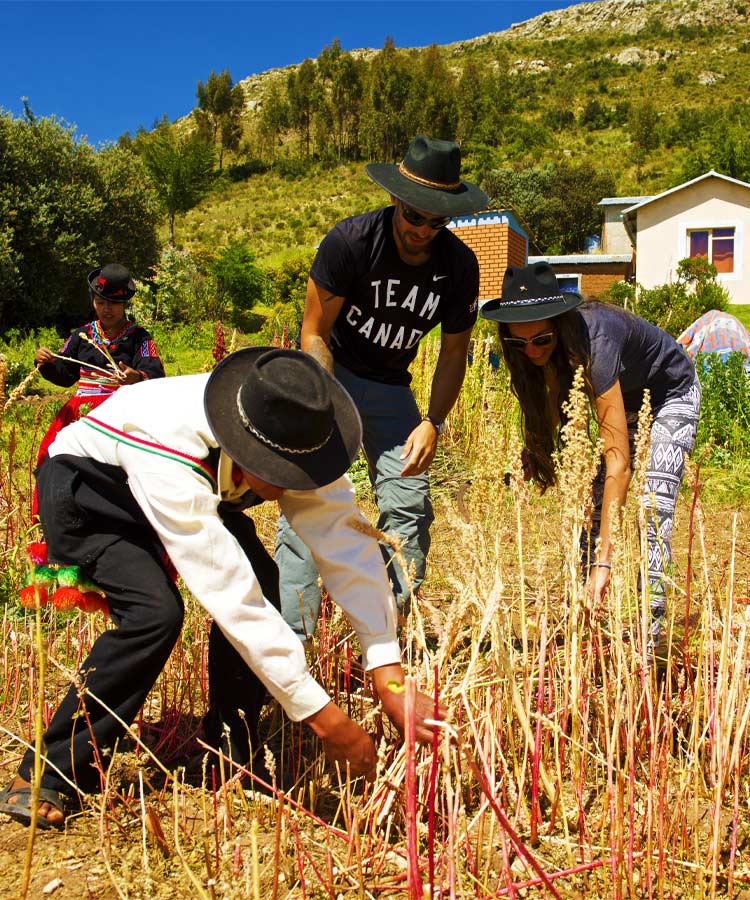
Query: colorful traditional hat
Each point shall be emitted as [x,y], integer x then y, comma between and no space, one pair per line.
[112,282]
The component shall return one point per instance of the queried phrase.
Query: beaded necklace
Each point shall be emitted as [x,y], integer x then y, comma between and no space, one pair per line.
[97,332]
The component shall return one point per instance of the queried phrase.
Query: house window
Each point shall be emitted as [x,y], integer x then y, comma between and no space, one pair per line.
[569,284]
[714,244]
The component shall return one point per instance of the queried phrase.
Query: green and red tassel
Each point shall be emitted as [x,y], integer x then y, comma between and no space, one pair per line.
[65,587]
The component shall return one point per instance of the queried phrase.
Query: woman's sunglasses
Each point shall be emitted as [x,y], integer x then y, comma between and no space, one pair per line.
[539,340]
[418,220]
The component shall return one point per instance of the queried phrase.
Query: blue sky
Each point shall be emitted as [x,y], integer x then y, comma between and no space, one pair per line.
[108,67]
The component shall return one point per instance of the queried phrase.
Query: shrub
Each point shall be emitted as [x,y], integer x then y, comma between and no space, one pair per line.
[246,169]
[620,293]
[676,305]
[725,406]
[238,284]
[292,167]
[181,288]
[18,349]
[286,295]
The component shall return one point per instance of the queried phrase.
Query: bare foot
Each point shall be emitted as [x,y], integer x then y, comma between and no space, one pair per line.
[46,811]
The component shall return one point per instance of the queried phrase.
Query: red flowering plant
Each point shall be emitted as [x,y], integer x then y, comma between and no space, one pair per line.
[219,349]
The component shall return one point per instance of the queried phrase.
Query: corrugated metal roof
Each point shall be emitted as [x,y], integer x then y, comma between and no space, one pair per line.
[578,259]
[619,201]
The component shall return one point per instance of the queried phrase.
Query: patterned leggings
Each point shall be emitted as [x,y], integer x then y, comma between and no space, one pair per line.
[673,434]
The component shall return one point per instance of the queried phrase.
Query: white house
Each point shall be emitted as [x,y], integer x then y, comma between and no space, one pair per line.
[708,216]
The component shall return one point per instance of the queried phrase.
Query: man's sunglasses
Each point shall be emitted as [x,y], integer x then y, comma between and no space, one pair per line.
[539,340]
[418,220]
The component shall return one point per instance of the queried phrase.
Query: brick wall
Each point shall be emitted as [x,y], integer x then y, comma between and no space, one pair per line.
[597,283]
[596,277]
[496,247]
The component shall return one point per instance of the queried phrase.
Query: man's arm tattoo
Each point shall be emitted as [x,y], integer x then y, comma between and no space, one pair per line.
[318,349]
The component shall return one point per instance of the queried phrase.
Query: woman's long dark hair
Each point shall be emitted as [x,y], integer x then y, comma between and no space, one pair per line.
[540,427]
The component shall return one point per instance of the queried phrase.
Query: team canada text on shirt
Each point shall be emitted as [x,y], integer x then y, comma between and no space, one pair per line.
[390,305]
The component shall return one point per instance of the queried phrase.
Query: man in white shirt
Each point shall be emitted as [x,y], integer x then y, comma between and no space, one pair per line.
[165,467]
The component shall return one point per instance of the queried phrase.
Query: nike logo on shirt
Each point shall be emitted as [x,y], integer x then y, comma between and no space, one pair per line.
[438,277]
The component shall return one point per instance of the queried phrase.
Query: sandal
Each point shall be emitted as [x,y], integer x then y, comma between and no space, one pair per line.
[20,809]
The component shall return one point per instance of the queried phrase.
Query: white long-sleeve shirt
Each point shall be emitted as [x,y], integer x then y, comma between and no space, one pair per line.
[157,432]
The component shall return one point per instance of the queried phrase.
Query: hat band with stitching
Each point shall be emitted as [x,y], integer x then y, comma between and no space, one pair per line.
[267,440]
[527,301]
[425,181]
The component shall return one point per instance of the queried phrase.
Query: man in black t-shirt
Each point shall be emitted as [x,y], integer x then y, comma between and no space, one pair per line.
[379,283]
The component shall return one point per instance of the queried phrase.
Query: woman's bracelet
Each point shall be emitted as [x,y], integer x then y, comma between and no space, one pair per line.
[598,565]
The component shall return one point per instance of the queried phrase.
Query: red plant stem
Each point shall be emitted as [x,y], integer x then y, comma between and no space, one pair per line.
[236,861]
[631,811]
[733,842]
[216,816]
[277,846]
[410,787]
[302,856]
[553,876]
[507,871]
[507,827]
[535,810]
[348,677]
[433,787]
[695,488]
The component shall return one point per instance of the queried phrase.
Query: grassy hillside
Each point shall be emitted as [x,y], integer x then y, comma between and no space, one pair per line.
[639,88]
[279,216]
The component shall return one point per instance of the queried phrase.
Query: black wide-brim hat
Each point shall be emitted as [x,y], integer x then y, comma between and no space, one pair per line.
[280,416]
[112,282]
[429,179]
[530,294]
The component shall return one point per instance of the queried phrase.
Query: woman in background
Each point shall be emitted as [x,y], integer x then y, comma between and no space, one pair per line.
[545,336]
[127,343]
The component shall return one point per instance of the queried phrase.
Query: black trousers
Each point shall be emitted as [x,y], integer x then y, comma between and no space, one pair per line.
[125,661]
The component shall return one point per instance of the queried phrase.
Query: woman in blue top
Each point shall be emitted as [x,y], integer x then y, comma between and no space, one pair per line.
[545,336]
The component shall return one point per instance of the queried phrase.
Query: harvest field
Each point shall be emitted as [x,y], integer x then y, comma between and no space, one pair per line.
[568,767]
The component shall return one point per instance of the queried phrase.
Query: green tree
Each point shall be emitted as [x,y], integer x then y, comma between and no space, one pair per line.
[342,78]
[557,202]
[181,167]
[594,115]
[239,283]
[572,211]
[496,108]
[431,106]
[273,120]
[724,147]
[220,104]
[302,94]
[287,290]
[182,288]
[386,128]
[129,197]
[65,209]
[643,122]
[469,97]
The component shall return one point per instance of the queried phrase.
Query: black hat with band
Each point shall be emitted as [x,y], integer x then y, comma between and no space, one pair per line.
[282,417]
[429,179]
[530,294]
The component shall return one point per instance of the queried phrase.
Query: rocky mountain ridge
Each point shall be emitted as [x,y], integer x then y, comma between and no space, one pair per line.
[627,16]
